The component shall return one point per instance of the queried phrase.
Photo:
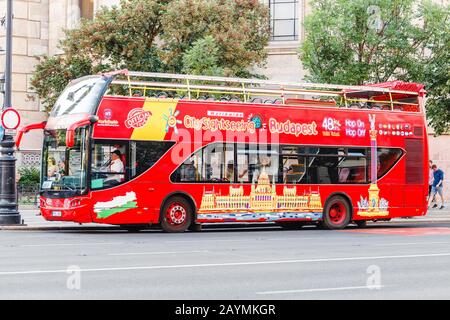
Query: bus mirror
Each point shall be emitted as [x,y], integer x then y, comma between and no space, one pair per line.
[25,129]
[70,135]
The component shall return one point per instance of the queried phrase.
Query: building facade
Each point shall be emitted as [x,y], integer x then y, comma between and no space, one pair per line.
[39,24]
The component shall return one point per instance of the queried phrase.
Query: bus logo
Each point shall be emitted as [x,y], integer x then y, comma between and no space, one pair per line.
[137,118]
[108,114]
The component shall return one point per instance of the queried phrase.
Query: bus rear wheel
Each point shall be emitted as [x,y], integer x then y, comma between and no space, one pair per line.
[176,215]
[337,213]
[291,225]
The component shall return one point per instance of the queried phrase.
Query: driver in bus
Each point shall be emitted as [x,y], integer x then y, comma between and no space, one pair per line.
[116,165]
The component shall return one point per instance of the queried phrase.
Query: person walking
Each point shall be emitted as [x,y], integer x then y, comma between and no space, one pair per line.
[430,182]
[437,187]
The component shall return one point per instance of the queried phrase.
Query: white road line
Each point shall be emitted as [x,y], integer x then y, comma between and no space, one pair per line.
[238,240]
[70,244]
[229,264]
[152,253]
[318,290]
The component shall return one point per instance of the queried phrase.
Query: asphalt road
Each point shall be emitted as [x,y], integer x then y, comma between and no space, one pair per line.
[402,261]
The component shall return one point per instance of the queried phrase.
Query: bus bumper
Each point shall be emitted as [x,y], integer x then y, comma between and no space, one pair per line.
[67,210]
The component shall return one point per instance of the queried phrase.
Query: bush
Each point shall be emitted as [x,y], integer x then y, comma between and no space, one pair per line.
[29,177]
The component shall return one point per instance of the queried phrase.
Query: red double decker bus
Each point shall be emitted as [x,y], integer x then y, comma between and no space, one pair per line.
[136,149]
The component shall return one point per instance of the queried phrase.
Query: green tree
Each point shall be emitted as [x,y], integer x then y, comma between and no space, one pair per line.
[240,30]
[364,41]
[202,58]
[159,36]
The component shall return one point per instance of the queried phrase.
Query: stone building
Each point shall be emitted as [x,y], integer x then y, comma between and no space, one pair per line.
[39,25]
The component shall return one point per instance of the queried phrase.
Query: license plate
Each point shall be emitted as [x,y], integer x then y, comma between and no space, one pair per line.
[56,213]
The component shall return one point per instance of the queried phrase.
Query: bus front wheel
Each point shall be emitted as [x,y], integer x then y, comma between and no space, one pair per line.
[176,215]
[337,213]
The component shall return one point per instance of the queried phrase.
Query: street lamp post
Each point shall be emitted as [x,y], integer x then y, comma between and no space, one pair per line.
[9,213]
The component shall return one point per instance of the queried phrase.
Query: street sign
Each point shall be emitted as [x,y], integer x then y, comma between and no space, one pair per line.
[10,119]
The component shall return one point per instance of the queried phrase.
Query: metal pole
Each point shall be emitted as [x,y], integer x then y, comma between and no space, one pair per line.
[9,213]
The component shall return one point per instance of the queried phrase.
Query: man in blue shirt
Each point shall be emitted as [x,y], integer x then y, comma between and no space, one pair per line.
[438,180]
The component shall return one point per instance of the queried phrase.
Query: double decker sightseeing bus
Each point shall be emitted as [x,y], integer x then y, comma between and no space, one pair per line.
[137,149]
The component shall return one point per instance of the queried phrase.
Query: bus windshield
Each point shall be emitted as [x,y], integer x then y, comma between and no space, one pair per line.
[80,96]
[64,169]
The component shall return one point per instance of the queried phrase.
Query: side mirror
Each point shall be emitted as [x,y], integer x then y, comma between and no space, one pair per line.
[70,134]
[25,129]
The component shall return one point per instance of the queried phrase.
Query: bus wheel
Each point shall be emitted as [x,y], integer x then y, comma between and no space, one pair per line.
[176,215]
[337,213]
[361,223]
[291,225]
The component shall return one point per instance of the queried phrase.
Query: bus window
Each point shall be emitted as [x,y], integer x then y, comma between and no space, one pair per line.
[352,170]
[189,171]
[214,163]
[144,154]
[387,158]
[323,170]
[293,162]
[108,165]
[254,159]
[214,160]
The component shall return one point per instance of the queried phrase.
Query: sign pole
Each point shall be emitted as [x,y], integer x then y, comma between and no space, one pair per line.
[9,214]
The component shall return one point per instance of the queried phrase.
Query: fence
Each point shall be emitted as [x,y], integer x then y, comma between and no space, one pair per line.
[28,195]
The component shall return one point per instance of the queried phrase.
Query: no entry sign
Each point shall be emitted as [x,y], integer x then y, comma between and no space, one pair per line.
[10,119]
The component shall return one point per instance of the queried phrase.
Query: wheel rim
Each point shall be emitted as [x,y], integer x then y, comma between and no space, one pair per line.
[338,213]
[176,214]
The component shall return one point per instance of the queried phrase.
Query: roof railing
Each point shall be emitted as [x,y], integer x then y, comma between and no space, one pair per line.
[246,90]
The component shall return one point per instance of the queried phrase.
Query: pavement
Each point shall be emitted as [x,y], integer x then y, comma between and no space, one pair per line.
[32,220]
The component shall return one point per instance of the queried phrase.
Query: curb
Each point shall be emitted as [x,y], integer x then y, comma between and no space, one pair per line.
[58,228]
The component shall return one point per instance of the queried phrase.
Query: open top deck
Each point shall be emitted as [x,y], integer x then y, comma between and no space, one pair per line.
[392,96]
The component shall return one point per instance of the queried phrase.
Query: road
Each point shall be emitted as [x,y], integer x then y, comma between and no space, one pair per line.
[405,261]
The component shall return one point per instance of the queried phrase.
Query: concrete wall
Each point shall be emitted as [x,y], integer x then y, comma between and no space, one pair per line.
[30,39]
[439,148]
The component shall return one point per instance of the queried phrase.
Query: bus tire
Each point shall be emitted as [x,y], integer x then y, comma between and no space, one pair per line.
[336,214]
[361,223]
[291,225]
[176,215]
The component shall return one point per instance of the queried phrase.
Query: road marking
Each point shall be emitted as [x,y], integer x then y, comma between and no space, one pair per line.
[151,253]
[318,290]
[70,244]
[240,240]
[229,264]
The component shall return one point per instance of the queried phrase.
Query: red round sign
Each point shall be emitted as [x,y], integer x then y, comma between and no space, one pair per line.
[10,119]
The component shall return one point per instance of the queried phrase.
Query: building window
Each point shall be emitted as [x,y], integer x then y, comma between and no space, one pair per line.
[284,22]
[87,9]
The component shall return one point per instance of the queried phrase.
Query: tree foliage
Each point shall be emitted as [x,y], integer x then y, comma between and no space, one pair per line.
[367,41]
[216,37]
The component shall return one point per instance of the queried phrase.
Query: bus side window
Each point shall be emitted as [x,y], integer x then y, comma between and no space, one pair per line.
[108,165]
[145,154]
